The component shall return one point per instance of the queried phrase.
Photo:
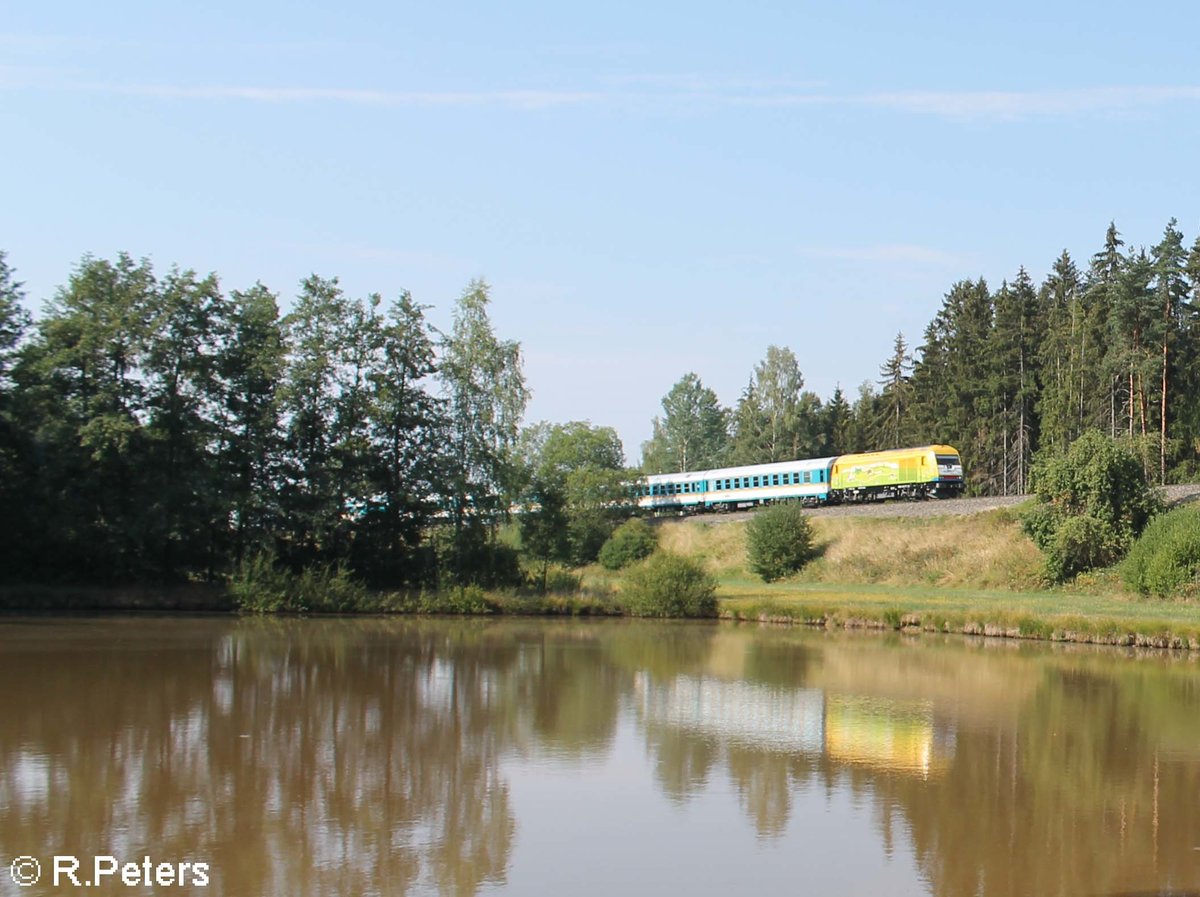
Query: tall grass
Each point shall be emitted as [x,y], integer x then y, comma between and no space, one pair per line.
[983,551]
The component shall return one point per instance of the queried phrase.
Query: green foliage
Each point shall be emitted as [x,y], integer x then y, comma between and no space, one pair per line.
[776,419]
[475,557]
[544,526]
[1165,560]
[668,585]
[631,541]
[692,434]
[585,465]
[779,541]
[561,582]
[1092,502]
[1082,543]
[261,585]
[485,396]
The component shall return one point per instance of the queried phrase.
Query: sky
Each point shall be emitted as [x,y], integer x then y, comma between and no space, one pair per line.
[649,189]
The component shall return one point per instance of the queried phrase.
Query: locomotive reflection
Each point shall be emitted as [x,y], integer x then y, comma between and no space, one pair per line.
[880,733]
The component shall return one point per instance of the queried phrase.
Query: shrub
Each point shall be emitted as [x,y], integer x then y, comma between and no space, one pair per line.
[1166,559]
[779,541]
[562,582]
[261,585]
[668,585]
[1092,502]
[1082,543]
[258,584]
[631,541]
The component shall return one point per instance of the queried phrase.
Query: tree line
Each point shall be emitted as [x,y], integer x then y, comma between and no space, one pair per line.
[158,429]
[1000,374]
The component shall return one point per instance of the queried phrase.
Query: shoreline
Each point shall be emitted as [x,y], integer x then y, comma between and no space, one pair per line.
[1164,625]
[974,575]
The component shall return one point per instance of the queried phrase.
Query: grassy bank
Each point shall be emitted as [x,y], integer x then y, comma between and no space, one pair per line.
[977,575]
[983,551]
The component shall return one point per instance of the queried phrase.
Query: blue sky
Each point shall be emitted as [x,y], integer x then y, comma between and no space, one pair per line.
[649,189]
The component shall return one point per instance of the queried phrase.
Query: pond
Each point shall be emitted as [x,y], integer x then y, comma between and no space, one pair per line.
[614,757]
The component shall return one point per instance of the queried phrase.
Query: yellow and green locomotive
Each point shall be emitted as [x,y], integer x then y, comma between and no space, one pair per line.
[930,471]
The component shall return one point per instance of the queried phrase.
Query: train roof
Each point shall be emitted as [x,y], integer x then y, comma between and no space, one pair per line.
[937,448]
[745,470]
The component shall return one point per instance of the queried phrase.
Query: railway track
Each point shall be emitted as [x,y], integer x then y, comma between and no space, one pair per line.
[949,507]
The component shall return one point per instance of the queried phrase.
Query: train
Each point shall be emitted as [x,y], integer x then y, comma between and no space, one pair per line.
[930,471]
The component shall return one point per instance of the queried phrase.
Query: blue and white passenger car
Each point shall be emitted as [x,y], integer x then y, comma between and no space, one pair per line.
[806,480]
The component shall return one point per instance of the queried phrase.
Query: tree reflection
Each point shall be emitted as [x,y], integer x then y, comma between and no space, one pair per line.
[360,757]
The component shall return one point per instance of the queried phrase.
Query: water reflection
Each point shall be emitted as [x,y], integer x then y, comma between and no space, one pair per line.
[400,756]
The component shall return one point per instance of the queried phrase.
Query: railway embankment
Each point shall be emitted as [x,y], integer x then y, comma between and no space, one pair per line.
[963,565]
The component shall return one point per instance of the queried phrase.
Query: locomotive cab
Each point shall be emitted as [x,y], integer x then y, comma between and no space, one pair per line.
[949,482]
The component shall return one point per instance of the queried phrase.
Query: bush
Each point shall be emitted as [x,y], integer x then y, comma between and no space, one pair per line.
[1082,543]
[262,586]
[779,541]
[1092,502]
[562,582]
[631,541]
[477,559]
[1165,561]
[668,585]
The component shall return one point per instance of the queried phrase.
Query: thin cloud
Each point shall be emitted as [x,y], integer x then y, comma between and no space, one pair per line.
[996,105]
[1012,105]
[655,89]
[717,86]
[520,99]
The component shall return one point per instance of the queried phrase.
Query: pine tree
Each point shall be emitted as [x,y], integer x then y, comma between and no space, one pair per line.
[836,437]
[1059,356]
[896,395]
[1012,351]
[1171,289]
[1103,296]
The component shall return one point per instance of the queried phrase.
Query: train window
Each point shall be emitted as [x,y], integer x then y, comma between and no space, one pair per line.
[754,481]
[774,479]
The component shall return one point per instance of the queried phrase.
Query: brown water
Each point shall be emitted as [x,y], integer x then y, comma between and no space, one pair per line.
[592,758]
